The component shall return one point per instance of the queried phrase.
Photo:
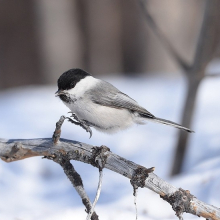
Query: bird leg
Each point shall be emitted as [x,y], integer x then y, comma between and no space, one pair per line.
[80,122]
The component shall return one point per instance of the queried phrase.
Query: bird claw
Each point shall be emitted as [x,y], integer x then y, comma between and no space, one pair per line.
[79,122]
[88,129]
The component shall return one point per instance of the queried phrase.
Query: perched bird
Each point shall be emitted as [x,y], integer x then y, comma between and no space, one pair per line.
[96,103]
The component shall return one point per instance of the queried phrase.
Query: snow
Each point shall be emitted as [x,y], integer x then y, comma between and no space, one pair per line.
[38,189]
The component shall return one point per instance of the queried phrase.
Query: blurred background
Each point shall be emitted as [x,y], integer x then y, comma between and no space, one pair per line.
[41,39]
[164,54]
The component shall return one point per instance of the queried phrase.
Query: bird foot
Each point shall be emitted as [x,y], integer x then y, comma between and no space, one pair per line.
[79,122]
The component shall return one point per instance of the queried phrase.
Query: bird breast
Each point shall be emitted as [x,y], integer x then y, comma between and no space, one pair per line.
[103,118]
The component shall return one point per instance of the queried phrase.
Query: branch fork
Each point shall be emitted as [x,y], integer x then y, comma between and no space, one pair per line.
[62,151]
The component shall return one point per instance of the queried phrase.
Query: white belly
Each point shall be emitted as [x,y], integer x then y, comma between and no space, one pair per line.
[105,119]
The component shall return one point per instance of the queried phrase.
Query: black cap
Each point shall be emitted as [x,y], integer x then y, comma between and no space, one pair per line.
[70,78]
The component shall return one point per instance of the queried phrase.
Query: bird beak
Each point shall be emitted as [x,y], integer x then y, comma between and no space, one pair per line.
[60,92]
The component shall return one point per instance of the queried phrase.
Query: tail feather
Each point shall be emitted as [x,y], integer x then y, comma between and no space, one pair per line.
[166,122]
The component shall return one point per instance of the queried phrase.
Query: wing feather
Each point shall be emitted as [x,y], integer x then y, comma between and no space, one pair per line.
[107,95]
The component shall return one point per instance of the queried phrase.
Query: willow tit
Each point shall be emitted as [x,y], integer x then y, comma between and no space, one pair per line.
[100,105]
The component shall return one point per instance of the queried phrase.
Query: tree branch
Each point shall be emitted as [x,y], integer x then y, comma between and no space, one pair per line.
[76,181]
[71,173]
[181,200]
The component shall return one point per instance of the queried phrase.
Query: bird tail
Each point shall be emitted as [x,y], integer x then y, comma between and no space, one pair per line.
[166,122]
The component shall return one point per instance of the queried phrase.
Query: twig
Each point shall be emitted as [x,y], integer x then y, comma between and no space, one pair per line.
[135,201]
[57,132]
[70,171]
[100,157]
[138,180]
[97,195]
[180,200]
[76,181]
[180,216]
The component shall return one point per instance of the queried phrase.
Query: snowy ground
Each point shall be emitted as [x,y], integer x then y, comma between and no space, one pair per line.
[37,189]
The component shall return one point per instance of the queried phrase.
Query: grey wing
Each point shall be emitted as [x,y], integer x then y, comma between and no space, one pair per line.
[107,95]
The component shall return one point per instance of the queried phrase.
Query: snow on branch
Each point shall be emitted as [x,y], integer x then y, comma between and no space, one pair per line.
[180,200]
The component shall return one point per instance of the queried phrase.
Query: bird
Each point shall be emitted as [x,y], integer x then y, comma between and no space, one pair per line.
[96,103]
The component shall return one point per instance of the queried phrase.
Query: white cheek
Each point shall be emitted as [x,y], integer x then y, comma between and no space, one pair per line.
[82,86]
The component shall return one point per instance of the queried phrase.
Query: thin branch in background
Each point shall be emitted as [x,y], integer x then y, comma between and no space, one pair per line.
[208,39]
[180,200]
[173,52]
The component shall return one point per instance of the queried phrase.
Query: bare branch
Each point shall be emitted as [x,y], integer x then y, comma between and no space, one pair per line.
[57,132]
[76,181]
[97,196]
[71,173]
[180,200]
[100,160]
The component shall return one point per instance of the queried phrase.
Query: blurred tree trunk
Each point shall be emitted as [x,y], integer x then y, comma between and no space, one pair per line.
[20,61]
[101,29]
[61,41]
[206,49]
[113,35]
[133,38]
[179,22]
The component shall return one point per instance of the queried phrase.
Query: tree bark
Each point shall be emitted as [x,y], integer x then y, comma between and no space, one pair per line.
[180,200]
